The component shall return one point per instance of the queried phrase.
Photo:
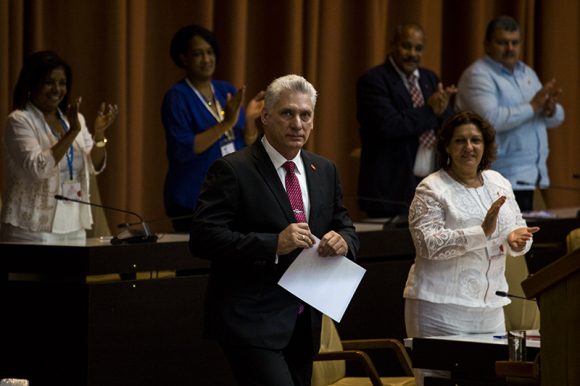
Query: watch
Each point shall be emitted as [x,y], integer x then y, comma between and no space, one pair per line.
[101,143]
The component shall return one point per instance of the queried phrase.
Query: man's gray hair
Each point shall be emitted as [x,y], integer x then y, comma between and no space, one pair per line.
[290,82]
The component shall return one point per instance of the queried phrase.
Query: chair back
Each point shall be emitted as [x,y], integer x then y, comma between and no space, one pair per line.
[328,372]
[520,314]
[573,240]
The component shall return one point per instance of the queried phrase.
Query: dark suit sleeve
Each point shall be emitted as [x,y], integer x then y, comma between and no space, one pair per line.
[218,231]
[341,221]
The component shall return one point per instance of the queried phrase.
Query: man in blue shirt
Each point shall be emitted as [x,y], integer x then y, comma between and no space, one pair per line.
[508,93]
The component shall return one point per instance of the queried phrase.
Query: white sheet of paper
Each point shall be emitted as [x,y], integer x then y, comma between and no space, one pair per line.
[325,283]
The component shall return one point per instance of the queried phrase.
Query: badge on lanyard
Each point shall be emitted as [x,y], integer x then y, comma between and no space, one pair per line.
[227,147]
[71,189]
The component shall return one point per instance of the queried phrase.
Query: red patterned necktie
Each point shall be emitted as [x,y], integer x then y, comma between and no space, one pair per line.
[426,139]
[295,195]
[294,192]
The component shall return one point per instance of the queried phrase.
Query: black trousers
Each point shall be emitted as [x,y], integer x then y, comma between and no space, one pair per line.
[291,366]
[525,199]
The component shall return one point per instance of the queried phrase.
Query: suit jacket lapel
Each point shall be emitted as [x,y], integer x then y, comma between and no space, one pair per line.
[398,86]
[315,184]
[266,169]
[426,88]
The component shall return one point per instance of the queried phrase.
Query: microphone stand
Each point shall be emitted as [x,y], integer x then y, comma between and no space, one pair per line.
[508,295]
[128,236]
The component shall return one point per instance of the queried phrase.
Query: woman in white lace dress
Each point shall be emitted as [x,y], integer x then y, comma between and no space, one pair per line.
[464,220]
[49,151]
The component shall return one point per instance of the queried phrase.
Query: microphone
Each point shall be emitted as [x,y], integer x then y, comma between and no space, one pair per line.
[128,236]
[506,295]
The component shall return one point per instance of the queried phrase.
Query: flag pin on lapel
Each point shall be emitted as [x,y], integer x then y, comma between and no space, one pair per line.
[312,167]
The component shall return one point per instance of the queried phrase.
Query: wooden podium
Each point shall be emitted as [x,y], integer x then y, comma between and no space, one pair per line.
[557,290]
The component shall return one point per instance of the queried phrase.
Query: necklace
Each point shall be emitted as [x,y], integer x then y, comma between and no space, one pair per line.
[213,105]
[476,184]
[208,99]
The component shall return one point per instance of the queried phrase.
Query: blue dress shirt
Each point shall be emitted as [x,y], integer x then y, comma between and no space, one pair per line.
[503,98]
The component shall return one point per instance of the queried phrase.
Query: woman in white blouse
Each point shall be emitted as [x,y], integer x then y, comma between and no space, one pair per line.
[49,151]
[464,220]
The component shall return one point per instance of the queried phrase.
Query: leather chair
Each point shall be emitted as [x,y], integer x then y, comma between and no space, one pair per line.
[573,240]
[330,368]
[520,314]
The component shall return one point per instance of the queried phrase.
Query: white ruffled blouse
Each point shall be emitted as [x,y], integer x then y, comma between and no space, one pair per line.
[32,177]
[455,262]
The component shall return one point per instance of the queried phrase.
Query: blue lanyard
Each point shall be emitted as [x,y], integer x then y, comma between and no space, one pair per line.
[70,154]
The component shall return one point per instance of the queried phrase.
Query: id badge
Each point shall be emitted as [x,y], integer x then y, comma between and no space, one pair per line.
[71,189]
[227,148]
[494,248]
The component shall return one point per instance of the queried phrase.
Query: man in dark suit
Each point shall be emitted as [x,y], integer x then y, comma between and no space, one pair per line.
[394,122]
[251,229]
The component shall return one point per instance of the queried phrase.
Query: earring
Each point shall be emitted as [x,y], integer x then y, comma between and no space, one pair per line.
[448,160]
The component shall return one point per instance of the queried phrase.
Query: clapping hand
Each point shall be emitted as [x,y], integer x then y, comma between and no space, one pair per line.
[233,106]
[489,223]
[255,106]
[72,114]
[550,104]
[518,238]
[106,115]
[440,99]
[546,98]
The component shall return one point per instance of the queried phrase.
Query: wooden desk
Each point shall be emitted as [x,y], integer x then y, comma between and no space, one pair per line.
[470,358]
[60,329]
[149,332]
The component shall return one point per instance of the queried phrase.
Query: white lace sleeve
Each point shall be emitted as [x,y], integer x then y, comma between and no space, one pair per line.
[29,152]
[432,239]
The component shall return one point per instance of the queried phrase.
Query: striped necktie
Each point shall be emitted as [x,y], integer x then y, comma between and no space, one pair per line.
[294,192]
[427,138]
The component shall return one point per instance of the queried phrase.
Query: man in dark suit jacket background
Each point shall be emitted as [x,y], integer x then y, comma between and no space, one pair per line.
[246,225]
[391,124]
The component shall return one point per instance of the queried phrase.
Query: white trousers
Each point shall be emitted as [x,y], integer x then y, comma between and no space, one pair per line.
[11,233]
